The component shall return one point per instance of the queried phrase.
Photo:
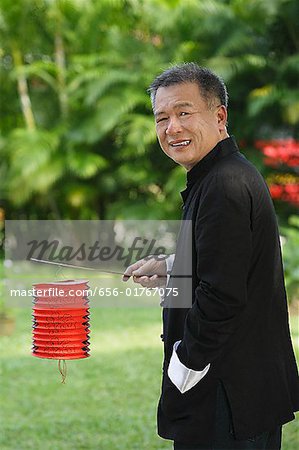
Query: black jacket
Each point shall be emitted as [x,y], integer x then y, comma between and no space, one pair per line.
[238,321]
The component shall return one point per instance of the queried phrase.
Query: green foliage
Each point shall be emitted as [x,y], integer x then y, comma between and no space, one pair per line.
[291,257]
[30,154]
[85,166]
[76,121]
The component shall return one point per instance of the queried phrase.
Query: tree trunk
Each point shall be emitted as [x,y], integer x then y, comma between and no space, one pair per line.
[61,74]
[23,90]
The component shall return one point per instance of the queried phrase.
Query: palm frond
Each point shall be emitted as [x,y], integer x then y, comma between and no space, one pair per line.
[84,164]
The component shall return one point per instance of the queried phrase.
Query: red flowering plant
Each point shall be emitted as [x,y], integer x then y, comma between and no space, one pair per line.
[281,154]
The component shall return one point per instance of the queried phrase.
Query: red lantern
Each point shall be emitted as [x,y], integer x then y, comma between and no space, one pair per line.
[61,321]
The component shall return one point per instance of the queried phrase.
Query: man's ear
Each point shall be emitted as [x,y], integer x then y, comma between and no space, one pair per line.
[222,117]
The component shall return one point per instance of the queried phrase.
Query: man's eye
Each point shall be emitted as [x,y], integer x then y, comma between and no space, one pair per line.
[184,113]
[161,119]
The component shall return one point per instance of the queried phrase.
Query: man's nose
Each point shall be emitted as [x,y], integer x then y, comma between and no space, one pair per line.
[174,126]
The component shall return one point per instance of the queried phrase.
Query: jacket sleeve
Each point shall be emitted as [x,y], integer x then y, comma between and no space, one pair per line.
[223,245]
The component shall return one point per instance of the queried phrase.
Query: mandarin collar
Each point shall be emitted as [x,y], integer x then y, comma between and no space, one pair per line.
[222,148]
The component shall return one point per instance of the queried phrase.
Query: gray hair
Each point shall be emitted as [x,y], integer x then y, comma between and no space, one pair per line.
[210,85]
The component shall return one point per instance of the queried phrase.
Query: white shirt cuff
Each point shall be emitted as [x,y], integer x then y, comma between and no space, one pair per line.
[169,265]
[182,377]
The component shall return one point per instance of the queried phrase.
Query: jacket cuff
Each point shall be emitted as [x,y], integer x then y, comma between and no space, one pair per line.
[182,377]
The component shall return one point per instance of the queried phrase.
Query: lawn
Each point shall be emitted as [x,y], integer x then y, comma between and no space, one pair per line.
[109,400]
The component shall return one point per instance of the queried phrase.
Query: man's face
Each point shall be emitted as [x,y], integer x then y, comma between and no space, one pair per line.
[187,128]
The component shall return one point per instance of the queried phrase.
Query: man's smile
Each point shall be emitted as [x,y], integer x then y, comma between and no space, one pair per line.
[180,143]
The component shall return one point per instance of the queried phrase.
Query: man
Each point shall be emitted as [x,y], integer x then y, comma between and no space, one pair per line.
[229,375]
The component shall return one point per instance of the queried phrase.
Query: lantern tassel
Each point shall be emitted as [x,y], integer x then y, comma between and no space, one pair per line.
[62,367]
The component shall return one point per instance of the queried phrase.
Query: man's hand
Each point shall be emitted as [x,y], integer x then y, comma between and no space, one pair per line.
[150,272]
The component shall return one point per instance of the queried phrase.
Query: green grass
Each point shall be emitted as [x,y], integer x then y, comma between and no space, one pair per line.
[109,400]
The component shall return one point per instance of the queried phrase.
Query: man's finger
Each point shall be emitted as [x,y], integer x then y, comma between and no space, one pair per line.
[126,277]
[138,279]
[130,269]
